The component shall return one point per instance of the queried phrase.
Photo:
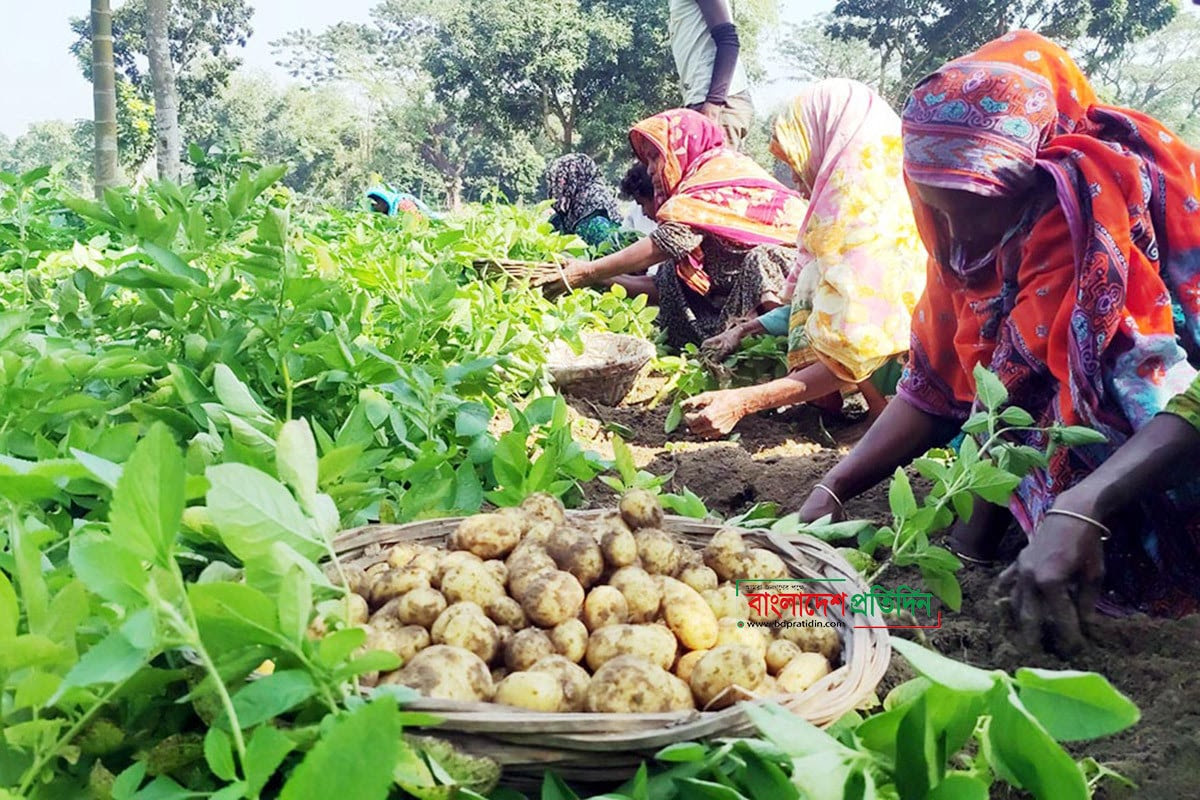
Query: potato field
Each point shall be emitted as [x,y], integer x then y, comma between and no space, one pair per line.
[221,417]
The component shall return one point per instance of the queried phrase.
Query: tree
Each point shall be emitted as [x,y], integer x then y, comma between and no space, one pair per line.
[166,101]
[917,36]
[104,98]
[811,54]
[67,147]
[1158,75]
[202,36]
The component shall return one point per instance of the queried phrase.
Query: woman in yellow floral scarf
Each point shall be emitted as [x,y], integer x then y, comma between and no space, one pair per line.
[860,267]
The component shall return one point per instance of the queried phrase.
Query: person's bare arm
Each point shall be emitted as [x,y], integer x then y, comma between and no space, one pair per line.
[724,32]
[902,433]
[640,255]
[713,414]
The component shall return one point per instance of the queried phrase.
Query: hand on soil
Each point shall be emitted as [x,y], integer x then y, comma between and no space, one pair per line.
[720,346]
[713,414]
[1054,584]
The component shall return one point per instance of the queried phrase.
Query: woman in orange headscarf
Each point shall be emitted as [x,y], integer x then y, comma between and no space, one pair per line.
[1065,257]
[724,223]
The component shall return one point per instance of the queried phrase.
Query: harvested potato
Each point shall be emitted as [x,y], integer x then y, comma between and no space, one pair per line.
[355,609]
[767,565]
[655,643]
[688,616]
[405,642]
[726,602]
[735,631]
[730,565]
[402,554]
[447,673]
[420,607]
[769,687]
[545,507]
[728,540]
[699,577]
[571,677]
[471,583]
[814,640]
[570,639]
[503,610]
[525,566]
[540,532]
[618,547]
[376,570]
[487,535]
[518,516]
[505,633]
[641,509]
[451,560]
[356,578]
[658,551]
[766,615]
[687,663]
[498,569]
[426,561]
[575,551]
[535,691]
[641,592]
[552,598]
[802,672]
[605,605]
[394,583]
[465,625]
[723,667]
[526,648]
[688,558]
[780,653]
[628,684]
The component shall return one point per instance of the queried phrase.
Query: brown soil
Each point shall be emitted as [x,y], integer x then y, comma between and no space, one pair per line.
[778,457]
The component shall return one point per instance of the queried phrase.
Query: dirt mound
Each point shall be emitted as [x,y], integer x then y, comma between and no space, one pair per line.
[778,457]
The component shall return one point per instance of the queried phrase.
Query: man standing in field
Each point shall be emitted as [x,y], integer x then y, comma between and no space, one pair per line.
[704,41]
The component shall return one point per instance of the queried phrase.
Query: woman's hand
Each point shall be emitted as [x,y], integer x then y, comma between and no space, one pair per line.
[712,415]
[720,346]
[573,272]
[821,504]
[1055,581]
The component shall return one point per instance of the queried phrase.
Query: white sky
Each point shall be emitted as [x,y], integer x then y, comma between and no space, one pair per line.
[39,79]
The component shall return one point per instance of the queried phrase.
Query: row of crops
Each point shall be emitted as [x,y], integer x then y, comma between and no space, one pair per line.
[199,388]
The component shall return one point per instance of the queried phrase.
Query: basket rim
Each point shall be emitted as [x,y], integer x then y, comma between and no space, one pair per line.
[866,650]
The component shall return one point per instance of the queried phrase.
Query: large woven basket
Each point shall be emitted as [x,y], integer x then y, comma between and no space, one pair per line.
[537,273]
[607,748]
[604,372]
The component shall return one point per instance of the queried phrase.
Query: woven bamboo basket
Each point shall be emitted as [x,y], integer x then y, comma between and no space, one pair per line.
[608,748]
[537,273]
[604,372]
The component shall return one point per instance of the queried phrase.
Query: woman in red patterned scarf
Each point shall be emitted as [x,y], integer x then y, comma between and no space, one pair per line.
[728,227]
[1065,258]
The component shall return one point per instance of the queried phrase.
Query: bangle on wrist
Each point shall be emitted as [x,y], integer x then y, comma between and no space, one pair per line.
[1105,531]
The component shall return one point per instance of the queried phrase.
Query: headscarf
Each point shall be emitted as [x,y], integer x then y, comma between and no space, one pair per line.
[709,187]
[1078,307]
[578,190]
[397,202]
[859,251]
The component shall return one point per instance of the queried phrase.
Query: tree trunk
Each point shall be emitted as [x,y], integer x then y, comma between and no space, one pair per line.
[454,187]
[166,100]
[104,98]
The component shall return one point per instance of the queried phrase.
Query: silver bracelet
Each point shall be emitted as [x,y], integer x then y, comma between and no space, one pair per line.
[832,494]
[1062,512]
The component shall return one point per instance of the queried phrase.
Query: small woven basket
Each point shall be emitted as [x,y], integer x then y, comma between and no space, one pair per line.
[604,372]
[537,273]
[608,748]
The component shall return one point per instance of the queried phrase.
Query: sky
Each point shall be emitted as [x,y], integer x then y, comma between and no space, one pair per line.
[39,78]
